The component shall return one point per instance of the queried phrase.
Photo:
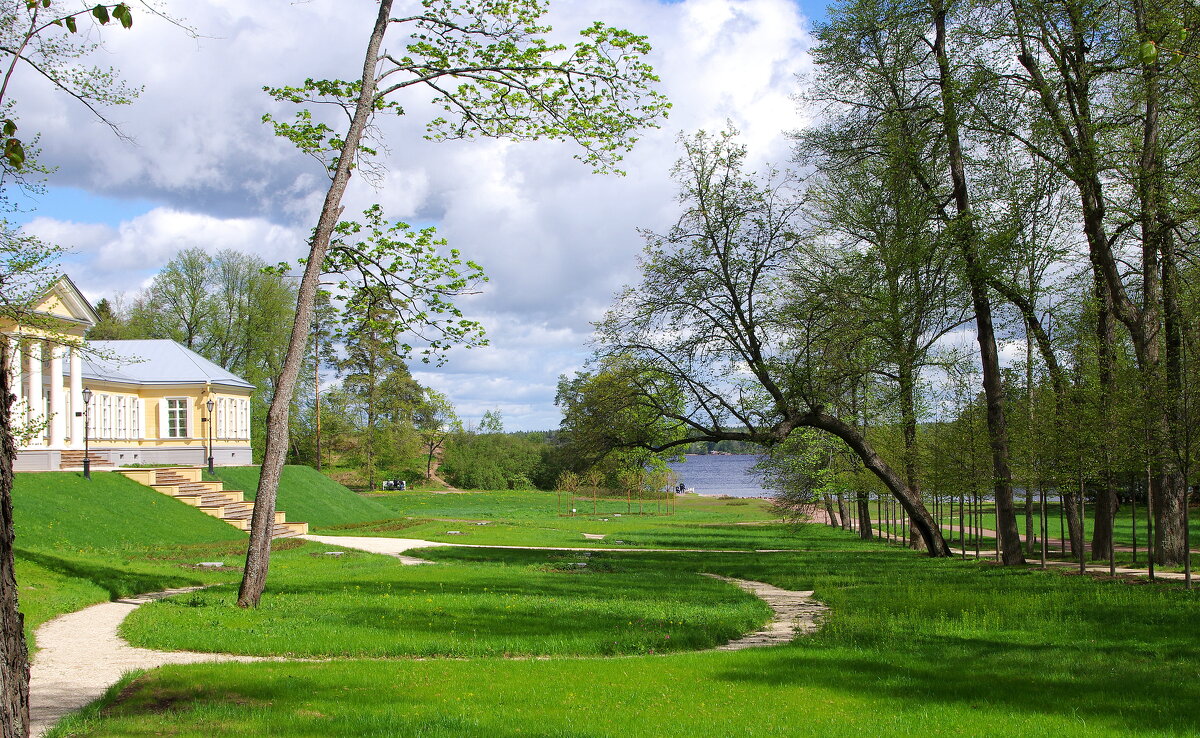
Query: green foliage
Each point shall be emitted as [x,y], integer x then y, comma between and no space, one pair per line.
[392,280]
[493,73]
[27,40]
[492,461]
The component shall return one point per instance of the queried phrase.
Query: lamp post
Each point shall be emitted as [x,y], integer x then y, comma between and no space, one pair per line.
[210,404]
[87,460]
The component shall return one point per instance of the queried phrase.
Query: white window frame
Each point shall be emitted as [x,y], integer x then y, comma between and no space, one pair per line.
[177,429]
[106,416]
[222,418]
[119,418]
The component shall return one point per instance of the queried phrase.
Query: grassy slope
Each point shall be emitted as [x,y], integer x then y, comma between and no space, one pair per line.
[912,646]
[308,495]
[81,542]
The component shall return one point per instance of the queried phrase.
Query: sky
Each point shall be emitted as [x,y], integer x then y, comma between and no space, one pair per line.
[200,169]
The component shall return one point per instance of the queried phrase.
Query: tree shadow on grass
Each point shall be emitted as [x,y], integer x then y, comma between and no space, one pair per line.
[1122,690]
[117,582]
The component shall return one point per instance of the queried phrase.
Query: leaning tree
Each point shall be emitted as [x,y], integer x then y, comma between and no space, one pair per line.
[717,338]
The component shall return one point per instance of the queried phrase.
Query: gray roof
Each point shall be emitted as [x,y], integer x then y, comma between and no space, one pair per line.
[154,362]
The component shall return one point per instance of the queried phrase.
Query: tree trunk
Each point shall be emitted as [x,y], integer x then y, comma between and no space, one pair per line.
[908,419]
[864,517]
[832,516]
[1106,498]
[262,524]
[964,232]
[1172,525]
[841,506]
[14,658]
[1070,502]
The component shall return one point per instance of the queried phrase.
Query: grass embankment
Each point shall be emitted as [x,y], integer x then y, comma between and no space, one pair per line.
[531,518]
[911,646]
[81,542]
[306,494]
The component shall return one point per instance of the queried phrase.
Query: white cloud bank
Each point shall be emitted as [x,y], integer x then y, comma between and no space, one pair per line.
[556,240]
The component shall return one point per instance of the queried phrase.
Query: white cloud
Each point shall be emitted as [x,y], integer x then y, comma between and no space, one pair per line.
[556,240]
[112,260]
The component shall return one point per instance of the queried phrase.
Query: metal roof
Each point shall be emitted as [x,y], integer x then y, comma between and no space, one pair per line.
[153,362]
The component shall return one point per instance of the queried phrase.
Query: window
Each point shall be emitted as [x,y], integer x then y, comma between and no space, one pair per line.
[135,417]
[122,404]
[106,416]
[93,417]
[222,422]
[177,419]
[243,419]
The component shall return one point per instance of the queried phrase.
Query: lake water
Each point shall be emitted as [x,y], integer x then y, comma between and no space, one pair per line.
[720,475]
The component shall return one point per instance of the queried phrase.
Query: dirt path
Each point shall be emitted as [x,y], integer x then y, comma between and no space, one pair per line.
[80,655]
[796,613]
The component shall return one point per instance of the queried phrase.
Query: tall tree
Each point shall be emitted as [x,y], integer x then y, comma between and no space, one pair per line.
[489,65]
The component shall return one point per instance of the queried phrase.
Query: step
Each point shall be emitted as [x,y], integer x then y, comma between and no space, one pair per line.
[186,485]
[70,459]
[228,510]
[289,530]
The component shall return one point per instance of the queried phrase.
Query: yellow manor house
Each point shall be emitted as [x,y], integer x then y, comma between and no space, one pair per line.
[127,402]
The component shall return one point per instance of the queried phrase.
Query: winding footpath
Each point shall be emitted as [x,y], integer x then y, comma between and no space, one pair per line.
[80,654]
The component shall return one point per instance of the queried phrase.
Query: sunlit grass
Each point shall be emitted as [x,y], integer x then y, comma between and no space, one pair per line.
[911,646]
[543,604]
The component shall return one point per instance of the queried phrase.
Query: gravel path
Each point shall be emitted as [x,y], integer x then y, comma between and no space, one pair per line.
[796,613]
[80,654]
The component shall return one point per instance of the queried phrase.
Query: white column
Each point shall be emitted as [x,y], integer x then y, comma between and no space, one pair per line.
[37,405]
[18,376]
[58,406]
[76,398]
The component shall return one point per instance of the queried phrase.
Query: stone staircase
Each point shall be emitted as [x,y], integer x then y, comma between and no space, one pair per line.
[186,484]
[74,460]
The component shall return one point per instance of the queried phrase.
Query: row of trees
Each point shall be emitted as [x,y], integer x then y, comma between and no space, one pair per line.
[1015,171]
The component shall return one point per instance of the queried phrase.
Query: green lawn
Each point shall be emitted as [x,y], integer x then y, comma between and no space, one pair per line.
[531,518]
[306,494]
[529,604]
[911,646]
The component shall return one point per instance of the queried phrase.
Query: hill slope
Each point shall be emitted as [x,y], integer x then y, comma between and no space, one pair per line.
[307,494]
[62,510]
